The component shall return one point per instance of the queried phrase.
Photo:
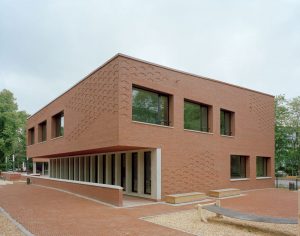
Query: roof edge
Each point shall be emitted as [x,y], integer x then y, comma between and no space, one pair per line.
[85,77]
[149,63]
[191,74]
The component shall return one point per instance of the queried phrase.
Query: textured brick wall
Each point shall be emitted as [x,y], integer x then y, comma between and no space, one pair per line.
[98,115]
[90,111]
[194,161]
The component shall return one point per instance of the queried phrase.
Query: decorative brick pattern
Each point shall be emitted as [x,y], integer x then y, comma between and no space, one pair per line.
[262,111]
[96,95]
[199,173]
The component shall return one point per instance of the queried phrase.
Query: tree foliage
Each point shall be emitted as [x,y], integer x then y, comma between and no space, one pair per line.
[287,131]
[12,129]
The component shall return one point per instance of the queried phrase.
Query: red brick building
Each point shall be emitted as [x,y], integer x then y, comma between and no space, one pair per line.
[154,131]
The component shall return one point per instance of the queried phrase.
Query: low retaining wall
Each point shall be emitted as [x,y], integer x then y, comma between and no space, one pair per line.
[102,192]
[11,176]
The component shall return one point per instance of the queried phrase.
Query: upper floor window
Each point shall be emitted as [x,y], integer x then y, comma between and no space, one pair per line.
[42,132]
[150,107]
[58,125]
[195,116]
[262,166]
[226,122]
[30,136]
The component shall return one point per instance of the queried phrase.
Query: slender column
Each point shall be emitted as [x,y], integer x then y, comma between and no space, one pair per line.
[140,172]
[156,174]
[118,169]
[34,167]
[128,172]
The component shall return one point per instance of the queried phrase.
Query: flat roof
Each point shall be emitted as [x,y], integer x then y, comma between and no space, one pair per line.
[153,64]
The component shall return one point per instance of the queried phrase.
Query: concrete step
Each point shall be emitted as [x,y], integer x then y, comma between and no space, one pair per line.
[226,192]
[184,197]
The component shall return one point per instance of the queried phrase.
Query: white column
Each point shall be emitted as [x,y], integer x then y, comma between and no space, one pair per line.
[34,167]
[100,171]
[140,172]
[128,172]
[118,169]
[156,174]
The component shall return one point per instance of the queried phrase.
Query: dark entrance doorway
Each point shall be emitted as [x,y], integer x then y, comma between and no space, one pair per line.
[134,169]
[147,172]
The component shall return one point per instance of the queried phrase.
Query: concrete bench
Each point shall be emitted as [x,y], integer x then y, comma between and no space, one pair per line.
[227,192]
[184,197]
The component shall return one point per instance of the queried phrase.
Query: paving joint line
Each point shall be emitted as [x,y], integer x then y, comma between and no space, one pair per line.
[16,223]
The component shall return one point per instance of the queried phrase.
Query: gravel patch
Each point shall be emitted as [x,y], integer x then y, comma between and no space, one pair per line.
[7,228]
[189,221]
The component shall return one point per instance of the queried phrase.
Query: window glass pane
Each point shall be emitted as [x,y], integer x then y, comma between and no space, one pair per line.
[164,110]
[238,166]
[222,122]
[204,118]
[150,107]
[62,125]
[192,116]
[261,166]
[227,123]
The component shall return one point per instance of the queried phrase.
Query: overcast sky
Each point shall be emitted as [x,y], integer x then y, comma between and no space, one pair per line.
[47,46]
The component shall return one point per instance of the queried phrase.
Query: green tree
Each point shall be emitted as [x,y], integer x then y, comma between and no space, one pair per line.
[12,129]
[287,131]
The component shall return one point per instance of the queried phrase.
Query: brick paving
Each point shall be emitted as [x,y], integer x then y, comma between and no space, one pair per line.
[46,212]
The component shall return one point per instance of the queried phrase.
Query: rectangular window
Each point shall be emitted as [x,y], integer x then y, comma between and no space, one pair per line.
[30,138]
[58,124]
[262,166]
[226,122]
[42,132]
[238,166]
[195,116]
[150,107]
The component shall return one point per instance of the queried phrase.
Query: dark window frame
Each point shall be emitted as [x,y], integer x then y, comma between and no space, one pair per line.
[265,161]
[146,170]
[201,124]
[243,162]
[134,172]
[31,136]
[159,121]
[58,125]
[226,113]
[42,131]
